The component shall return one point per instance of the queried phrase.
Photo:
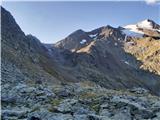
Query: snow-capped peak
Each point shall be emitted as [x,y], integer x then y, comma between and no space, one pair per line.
[148,24]
[147,27]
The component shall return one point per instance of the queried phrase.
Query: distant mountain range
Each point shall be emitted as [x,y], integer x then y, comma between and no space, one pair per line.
[114,58]
[121,57]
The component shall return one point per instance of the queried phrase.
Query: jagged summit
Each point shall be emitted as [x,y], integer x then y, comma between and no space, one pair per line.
[79,31]
[74,41]
[148,24]
[146,27]
[81,38]
[101,29]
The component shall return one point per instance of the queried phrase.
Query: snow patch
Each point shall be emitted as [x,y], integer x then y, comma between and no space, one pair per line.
[133,28]
[126,62]
[83,41]
[145,24]
[133,32]
[115,44]
[111,33]
[158,30]
[93,35]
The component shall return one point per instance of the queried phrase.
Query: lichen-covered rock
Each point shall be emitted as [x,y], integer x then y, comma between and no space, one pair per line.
[42,103]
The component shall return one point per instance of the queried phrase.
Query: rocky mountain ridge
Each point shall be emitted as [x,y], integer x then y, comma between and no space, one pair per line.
[107,54]
[96,75]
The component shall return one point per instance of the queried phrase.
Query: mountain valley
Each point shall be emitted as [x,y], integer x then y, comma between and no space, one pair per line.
[104,74]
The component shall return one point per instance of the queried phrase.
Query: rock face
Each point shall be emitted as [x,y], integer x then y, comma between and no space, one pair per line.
[112,58]
[24,54]
[85,102]
[74,78]
[74,41]
[147,50]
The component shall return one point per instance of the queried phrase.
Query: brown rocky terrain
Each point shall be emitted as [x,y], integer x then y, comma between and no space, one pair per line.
[146,50]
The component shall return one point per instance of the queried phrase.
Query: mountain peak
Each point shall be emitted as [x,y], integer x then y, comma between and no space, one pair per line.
[147,23]
[148,20]
[146,27]
[79,31]
[9,21]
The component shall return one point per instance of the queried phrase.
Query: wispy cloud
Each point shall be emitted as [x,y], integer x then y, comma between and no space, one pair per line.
[151,2]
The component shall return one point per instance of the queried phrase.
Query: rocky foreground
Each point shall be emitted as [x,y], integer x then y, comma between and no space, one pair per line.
[77,101]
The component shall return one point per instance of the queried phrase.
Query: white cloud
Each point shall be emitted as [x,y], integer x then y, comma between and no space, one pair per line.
[151,2]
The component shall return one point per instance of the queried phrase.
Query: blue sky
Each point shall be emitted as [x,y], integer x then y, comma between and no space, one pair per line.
[53,21]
